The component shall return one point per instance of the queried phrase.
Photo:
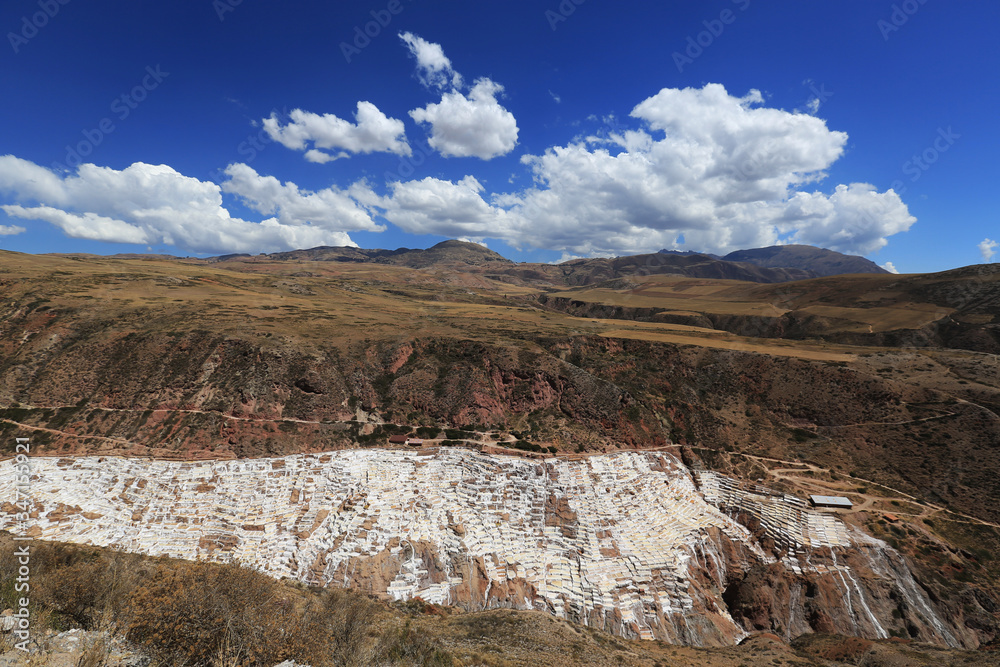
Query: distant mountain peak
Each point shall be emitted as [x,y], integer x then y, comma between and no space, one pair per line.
[820,261]
[685,253]
[455,243]
[446,251]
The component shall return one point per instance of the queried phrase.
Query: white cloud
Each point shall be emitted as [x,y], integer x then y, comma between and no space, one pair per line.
[986,248]
[473,126]
[28,180]
[721,171]
[706,171]
[566,257]
[11,230]
[154,204]
[890,267]
[433,67]
[855,219]
[373,132]
[86,226]
[476,241]
[694,169]
[435,206]
[330,208]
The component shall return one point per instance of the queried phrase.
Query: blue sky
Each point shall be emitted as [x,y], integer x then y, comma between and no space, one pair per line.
[544,129]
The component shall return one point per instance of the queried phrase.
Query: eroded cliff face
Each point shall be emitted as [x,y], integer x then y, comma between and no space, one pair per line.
[196,394]
[94,387]
[825,577]
[629,542]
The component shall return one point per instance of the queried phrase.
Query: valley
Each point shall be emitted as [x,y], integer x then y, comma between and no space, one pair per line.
[637,444]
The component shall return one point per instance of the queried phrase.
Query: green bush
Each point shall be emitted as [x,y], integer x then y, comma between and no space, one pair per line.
[428,432]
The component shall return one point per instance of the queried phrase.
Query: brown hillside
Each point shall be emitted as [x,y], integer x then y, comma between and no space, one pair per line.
[263,356]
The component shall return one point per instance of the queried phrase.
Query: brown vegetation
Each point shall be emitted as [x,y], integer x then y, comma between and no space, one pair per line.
[182,613]
[185,613]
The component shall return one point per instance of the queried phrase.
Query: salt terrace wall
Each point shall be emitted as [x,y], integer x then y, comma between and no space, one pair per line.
[626,541]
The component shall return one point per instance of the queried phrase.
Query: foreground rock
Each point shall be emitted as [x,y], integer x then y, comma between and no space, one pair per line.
[625,542]
[73,648]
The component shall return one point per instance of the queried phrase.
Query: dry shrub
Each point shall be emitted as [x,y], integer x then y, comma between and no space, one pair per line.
[184,613]
[345,628]
[403,645]
[847,649]
[194,613]
[79,587]
[346,621]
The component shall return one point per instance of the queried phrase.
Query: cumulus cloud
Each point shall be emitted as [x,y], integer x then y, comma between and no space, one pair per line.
[461,125]
[11,230]
[854,219]
[694,168]
[435,206]
[705,170]
[86,226]
[470,126]
[373,132]
[986,248]
[565,257]
[890,267]
[330,208]
[153,204]
[433,68]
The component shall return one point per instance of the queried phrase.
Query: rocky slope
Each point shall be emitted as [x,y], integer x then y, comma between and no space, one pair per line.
[256,358]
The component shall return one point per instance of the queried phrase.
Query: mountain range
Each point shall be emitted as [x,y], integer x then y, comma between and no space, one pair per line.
[767,265]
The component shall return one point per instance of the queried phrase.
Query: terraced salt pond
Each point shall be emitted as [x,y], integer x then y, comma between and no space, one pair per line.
[624,540]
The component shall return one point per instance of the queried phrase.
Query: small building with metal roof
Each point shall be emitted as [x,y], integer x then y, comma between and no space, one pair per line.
[835,502]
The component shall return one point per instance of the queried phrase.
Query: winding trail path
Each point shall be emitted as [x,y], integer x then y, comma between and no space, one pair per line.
[824,486]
